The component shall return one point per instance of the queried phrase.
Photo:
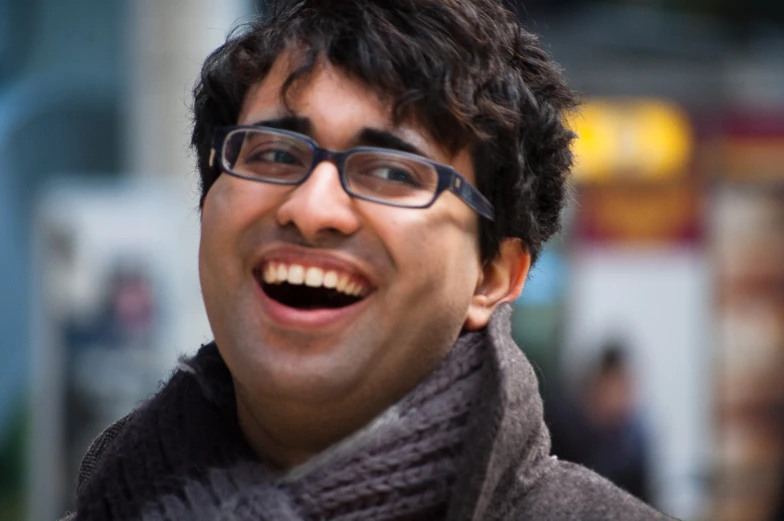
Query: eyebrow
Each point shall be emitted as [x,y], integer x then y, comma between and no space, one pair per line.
[369,137]
[292,123]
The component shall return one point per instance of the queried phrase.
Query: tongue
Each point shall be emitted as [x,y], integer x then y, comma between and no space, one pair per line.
[305,297]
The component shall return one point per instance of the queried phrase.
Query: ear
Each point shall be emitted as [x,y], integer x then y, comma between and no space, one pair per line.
[501,280]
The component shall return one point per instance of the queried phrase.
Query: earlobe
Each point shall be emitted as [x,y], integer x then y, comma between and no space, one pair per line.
[501,280]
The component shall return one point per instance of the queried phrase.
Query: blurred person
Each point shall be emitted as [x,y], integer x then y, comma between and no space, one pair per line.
[358,293]
[110,353]
[600,426]
[125,316]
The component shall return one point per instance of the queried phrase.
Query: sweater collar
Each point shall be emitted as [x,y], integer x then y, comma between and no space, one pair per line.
[507,426]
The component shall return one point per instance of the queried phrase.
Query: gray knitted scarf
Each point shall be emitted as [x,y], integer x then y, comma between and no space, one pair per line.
[401,466]
[469,442]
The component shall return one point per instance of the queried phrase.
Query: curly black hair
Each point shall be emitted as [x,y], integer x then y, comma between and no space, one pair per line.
[466,70]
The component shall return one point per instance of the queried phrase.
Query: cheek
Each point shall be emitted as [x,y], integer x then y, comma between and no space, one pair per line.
[216,225]
[226,204]
[437,252]
[231,208]
[227,211]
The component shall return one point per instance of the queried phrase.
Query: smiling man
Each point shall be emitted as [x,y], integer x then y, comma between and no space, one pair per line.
[377,178]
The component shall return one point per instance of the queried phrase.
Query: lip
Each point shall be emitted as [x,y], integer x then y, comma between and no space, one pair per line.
[325,319]
[312,319]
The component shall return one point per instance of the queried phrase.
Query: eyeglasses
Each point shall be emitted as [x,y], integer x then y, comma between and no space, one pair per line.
[373,174]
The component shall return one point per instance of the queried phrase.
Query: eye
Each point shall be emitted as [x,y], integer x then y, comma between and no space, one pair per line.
[394,174]
[276,156]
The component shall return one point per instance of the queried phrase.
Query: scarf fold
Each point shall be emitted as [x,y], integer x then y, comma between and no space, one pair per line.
[182,455]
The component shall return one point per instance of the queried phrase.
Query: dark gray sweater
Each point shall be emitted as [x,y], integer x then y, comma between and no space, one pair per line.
[486,460]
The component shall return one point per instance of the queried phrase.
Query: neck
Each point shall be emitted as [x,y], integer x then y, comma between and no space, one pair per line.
[287,435]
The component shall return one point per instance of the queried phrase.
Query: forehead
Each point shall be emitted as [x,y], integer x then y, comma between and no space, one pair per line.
[338,108]
[323,88]
[336,104]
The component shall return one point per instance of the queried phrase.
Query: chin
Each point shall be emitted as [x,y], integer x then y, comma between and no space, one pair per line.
[306,373]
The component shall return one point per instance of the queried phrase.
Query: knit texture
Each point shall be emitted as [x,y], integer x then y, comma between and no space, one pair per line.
[182,456]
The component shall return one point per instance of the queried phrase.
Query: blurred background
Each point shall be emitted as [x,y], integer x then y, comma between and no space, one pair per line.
[655,321]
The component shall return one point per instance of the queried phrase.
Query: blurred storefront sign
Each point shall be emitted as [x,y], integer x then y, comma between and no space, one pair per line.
[631,139]
[633,170]
[636,213]
[747,230]
[751,148]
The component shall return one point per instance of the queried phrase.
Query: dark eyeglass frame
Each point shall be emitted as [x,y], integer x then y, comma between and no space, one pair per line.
[448,177]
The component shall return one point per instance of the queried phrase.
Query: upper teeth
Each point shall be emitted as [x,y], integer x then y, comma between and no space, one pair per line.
[278,272]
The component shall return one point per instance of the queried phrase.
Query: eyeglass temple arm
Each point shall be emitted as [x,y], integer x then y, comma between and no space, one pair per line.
[217,145]
[473,198]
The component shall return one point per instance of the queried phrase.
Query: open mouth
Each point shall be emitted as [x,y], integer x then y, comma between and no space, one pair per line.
[310,287]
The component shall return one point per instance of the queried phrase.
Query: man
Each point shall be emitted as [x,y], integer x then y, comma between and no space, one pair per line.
[377,178]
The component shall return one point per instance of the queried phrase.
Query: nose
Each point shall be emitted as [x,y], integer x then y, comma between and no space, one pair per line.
[320,206]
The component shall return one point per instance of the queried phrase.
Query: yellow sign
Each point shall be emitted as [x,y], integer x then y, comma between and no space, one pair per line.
[631,139]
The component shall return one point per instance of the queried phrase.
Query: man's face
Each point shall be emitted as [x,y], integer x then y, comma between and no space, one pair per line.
[414,269]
